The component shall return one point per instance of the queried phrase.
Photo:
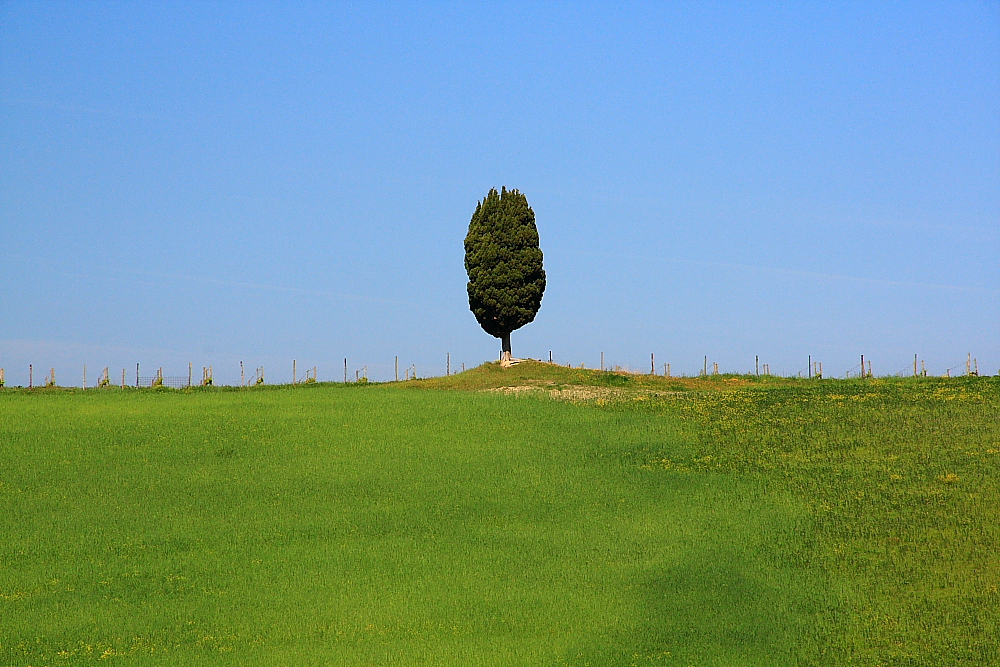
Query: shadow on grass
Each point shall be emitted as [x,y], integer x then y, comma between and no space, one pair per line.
[741,592]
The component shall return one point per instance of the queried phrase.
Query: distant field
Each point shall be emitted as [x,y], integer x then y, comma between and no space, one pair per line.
[535,516]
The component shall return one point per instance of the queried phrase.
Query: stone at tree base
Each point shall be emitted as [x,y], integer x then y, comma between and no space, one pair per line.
[506,361]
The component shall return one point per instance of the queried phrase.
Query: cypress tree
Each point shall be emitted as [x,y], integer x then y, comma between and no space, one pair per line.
[504,263]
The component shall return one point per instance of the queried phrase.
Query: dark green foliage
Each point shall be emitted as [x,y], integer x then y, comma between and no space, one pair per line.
[504,263]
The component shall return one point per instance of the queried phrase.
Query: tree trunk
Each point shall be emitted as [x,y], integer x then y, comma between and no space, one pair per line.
[505,347]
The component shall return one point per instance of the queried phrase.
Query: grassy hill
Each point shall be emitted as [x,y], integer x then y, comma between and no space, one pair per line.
[538,515]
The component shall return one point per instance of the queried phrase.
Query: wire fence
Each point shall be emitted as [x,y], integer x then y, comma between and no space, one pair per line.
[176,382]
[403,370]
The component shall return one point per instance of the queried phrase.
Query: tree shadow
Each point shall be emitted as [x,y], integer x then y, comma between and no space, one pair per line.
[742,594]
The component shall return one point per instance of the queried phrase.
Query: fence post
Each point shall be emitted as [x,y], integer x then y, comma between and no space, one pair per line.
[123,378]
[85,377]
[345,370]
[397,368]
[137,376]
[809,367]
[189,375]
[704,370]
[447,366]
[652,364]
[293,371]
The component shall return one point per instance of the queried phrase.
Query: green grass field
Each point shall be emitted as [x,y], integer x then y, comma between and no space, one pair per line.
[574,518]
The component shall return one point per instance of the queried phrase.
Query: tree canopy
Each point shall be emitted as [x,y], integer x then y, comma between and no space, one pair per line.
[504,263]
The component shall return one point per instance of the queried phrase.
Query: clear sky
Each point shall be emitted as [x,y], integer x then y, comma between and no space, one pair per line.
[213,182]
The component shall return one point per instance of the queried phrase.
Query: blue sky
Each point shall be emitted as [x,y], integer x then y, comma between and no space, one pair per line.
[210,182]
